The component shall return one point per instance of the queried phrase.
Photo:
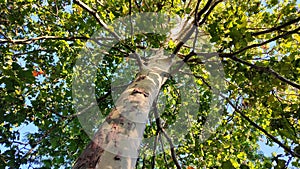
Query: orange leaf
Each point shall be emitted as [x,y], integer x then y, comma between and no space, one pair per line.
[35,73]
[41,72]
[264,47]
[189,167]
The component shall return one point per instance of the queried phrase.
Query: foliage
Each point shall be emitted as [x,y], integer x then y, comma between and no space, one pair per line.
[258,42]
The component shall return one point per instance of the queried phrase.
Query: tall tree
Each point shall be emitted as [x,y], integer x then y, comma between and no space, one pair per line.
[43,42]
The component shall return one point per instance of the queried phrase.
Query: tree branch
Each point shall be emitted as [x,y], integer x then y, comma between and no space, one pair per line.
[190,31]
[90,106]
[97,17]
[173,153]
[31,40]
[203,10]
[156,134]
[40,140]
[267,41]
[264,69]
[196,16]
[276,28]
[161,129]
[254,124]
[164,153]
[209,11]
[260,128]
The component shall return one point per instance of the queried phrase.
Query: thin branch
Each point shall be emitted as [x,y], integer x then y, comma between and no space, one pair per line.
[40,140]
[195,39]
[173,153]
[161,129]
[164,153]
[4,35]
[154,149]
[188,4]
[196,14]
[264,69]
[190,31]
[144,163]
[139,61]
[95,14]
[267,41]
[276,28]
[203,10]
[260,128]
[209,11]
[89,106]
[97,17]
[137,4]
[131,25]
[31,40]
[204,81]
[254,124]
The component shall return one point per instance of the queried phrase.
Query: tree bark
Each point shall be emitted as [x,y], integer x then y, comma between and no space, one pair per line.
[116,143]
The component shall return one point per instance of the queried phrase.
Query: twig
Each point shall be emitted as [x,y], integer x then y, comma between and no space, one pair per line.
[265,69]
[40,140]
[90,106]
[4,35]
[137,4]
[195,39]
[173,153]
[38,50]
[131,26]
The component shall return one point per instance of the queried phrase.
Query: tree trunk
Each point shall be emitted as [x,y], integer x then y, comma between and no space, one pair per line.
[116,143]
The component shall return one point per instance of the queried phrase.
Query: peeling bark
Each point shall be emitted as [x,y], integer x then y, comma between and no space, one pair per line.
[116,143]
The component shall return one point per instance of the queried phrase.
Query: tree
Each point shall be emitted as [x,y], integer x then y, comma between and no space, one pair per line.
[256,43]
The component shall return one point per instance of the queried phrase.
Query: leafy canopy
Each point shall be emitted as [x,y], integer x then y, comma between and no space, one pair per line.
[258,42]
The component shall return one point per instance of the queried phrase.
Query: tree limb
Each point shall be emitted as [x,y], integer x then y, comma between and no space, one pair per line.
[203,10]
[173,153]
[190,31]
[261,68]
[264,69]
[97,17]
[267,41]
[276,28]
[209,11]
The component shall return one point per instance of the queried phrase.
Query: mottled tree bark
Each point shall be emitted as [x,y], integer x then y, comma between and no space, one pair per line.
[116,143]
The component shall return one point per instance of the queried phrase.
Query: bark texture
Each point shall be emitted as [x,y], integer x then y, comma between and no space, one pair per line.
[116,143]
